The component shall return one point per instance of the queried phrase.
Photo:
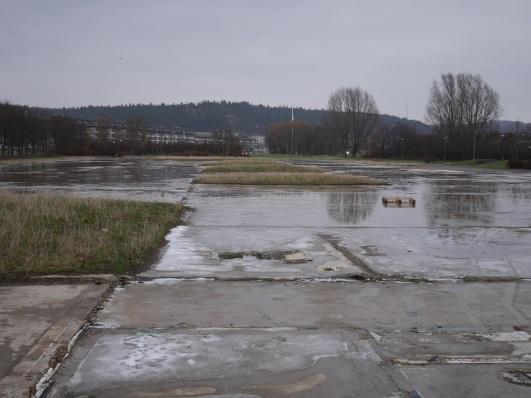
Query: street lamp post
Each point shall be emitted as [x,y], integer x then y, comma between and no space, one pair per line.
[502,136]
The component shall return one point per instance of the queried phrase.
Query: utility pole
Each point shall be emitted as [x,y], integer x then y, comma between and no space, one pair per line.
[292,135]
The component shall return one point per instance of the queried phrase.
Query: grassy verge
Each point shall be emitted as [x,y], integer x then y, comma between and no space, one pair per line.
[40,159]
[47,234]
[300,157]
[337,158]
[496,165]
[257,166]
[284,179]
[191,158]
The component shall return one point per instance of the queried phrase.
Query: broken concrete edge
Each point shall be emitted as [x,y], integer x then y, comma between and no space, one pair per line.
[59,356]
[336,278]
[61,351]
[355,260]
[260,255]
[79,279]
[461,360]
[517,376]
[340,277]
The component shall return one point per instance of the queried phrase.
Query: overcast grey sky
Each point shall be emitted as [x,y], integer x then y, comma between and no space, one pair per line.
[72,52]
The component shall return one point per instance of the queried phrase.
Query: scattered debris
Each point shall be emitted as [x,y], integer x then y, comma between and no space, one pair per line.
[296,258]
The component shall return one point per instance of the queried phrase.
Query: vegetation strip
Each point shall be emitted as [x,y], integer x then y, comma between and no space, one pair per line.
[258,166]
[183,158]
[285,179]
[48,234]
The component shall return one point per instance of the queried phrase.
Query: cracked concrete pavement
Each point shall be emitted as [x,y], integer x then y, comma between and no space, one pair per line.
[430,301]
[38,322]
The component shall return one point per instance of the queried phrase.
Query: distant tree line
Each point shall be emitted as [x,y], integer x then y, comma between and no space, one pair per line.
[26,132]
[462,108]
[462,111]
[243,117]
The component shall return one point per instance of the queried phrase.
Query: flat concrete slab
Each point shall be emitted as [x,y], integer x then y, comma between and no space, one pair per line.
[188,255]
[464,225]
[463,381]
[222,314]
[451,306]
[37,323]
[221,363]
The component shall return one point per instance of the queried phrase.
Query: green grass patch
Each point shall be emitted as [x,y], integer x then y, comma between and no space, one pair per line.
[289,157]
[212,158]
[285,179]
[300,157]
[48,234]
[258,166]
[494,165]
[498,165]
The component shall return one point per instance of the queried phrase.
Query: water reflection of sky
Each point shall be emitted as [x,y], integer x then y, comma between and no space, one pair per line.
[444,198]
[130,178]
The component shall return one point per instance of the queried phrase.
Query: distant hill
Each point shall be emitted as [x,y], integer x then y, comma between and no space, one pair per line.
[505,126]
[209,115]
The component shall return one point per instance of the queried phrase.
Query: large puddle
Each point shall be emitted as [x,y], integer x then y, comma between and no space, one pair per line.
[124,178]
[464,222]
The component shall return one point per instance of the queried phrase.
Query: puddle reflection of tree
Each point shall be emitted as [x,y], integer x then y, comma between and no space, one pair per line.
[518,192]
[351,207]
[461,202]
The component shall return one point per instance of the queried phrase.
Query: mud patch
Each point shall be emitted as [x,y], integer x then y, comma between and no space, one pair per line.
[260,255]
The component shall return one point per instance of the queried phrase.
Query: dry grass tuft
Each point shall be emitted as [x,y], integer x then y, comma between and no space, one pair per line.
[285,179]
[258,166]
[47,234]
[191,158]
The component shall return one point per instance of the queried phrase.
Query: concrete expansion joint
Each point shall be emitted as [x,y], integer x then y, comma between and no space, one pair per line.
[341,278]
[461,360]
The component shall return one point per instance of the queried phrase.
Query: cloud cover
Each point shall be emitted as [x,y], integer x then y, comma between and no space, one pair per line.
[72,52]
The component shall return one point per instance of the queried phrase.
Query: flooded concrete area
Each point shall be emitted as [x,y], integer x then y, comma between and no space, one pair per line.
[463,224]
[118,178]
[312,291]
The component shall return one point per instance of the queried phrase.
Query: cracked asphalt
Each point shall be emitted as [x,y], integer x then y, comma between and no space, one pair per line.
[425,301]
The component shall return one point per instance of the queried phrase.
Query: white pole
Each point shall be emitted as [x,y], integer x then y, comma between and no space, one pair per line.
[292,135]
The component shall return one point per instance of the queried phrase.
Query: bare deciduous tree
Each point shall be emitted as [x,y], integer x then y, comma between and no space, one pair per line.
[354,115]
[462,107]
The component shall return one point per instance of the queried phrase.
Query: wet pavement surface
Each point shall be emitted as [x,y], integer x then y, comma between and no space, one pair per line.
[116,178]
[463,224]
[430,300]
[36,323]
